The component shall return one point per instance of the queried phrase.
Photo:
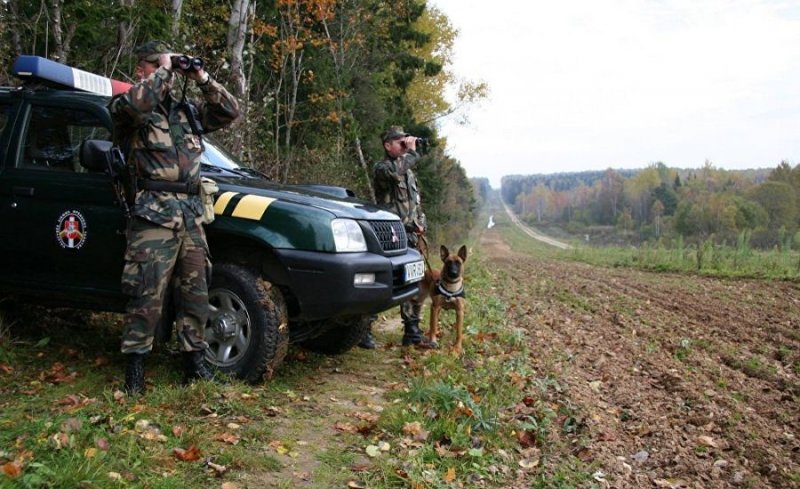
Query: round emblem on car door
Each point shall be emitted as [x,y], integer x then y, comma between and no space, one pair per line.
[71,230]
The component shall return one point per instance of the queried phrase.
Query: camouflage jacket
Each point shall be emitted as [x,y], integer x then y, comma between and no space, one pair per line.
[157,139]
[396,188]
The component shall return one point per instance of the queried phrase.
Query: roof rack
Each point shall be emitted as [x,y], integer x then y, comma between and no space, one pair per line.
[37,68]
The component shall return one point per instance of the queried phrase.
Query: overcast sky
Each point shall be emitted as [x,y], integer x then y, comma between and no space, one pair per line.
[591,84]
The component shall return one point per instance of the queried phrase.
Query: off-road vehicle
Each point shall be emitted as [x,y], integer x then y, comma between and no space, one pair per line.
[290,263]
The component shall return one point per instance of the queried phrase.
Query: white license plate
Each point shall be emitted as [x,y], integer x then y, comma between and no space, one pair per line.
[415,271]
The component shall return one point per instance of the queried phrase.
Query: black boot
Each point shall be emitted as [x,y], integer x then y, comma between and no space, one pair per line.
[412,336]
[368,341]
[196,366]
[134,374]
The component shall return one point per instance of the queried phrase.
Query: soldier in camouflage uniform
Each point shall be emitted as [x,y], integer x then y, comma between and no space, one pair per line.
[396,190]
[166,239]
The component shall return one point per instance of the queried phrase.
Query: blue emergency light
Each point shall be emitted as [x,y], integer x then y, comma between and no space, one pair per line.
[34,67]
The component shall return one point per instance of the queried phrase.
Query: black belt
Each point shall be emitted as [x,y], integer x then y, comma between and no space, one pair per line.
[164,186]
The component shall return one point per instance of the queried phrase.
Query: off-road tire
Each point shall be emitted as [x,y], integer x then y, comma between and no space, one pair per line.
[341,336]
[248,329]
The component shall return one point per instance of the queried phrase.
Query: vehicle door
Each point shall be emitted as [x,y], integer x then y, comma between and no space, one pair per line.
[61,225]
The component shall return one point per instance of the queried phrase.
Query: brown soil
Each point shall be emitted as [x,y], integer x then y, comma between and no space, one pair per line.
[680,381]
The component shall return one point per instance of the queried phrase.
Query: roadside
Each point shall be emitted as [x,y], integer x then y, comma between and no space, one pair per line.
[533,233]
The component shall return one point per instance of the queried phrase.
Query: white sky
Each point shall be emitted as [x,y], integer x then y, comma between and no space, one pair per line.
[591,84]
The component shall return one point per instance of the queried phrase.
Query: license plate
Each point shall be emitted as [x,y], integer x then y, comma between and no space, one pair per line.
[415,271]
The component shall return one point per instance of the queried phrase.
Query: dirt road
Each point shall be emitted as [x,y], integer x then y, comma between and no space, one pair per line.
[532,232]
[681,381]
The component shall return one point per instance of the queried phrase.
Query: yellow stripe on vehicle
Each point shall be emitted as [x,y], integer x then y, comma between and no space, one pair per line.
[252,207]
[222,202]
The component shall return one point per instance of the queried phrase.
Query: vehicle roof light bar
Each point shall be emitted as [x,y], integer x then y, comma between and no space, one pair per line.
[36,67]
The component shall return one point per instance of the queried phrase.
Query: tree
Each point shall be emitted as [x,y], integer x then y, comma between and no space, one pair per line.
[779,201]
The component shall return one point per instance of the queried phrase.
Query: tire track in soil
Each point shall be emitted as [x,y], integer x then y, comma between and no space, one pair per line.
[613,337]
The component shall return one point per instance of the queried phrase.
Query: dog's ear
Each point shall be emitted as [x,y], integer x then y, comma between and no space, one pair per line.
[462,253]
[444,252]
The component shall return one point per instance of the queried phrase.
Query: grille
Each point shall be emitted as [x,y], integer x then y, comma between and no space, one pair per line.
[391,234]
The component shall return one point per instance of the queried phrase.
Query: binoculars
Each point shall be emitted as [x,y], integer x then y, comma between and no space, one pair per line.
[186,63]
[421,141]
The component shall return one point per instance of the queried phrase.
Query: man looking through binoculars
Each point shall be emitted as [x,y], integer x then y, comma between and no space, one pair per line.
[396,190]
[161,138]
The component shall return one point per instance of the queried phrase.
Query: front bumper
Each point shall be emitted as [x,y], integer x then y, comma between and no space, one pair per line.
[322,283]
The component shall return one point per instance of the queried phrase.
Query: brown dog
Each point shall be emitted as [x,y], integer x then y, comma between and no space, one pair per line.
[445,287]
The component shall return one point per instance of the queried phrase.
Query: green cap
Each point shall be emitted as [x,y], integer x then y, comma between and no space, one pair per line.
[151,50]
[394,132]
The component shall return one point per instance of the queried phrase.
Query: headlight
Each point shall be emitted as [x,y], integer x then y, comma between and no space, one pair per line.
[347,236]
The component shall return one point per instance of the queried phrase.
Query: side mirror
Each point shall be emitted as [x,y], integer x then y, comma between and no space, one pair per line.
[96,154]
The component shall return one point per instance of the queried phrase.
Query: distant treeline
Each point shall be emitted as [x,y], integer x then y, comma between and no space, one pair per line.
[659,203]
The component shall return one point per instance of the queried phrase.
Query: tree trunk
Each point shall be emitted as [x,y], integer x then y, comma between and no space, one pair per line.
[13,25]
[237,28]
[366,171]
[177,7]
[58,32]
[124,38]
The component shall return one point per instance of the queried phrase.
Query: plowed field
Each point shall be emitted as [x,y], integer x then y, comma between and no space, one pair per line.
[681,381]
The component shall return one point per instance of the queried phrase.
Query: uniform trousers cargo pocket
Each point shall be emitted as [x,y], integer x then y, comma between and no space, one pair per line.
[139,277]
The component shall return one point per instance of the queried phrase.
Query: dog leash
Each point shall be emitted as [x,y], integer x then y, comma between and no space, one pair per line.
[421,238]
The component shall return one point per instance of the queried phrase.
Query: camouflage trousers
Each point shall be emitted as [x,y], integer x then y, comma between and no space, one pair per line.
[159,261]
[411,311]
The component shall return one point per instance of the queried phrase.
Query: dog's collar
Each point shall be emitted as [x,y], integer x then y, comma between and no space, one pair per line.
[450,295]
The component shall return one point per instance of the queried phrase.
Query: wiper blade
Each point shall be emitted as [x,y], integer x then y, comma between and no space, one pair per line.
[253,172]
[207,167]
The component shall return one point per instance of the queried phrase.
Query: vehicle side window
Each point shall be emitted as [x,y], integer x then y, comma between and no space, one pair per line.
[5,113]
[54,135]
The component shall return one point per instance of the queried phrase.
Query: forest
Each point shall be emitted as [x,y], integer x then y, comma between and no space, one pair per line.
[318,80]
[659,204]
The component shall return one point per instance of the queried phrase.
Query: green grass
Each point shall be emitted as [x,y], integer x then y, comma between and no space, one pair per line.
[714,260]
[449,421]
[707,258]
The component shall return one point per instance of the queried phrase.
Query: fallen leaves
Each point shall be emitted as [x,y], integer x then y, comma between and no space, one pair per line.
[190,454]
[12,470]
[178,430]
[415,430]
[228,438]
[375,450]
[74,402]
[57,375]
[346,427]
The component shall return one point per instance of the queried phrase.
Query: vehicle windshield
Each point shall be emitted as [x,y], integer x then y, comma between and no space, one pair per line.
[215,155]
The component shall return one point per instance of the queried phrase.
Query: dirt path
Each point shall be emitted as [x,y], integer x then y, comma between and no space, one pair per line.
[682,381]
[533,233]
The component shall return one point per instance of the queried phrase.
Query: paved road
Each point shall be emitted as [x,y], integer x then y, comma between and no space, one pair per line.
[533,233]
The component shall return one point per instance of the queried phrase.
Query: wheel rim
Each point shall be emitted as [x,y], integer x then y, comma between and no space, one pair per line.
[228,330]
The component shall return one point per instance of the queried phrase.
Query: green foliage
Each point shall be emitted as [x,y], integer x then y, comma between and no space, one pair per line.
[320,76]
[659,201]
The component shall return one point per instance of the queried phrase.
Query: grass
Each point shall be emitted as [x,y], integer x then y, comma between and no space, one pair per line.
[444,421]
[707,258]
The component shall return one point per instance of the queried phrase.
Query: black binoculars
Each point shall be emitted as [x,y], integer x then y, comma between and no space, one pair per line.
[420,141]
[186,63]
